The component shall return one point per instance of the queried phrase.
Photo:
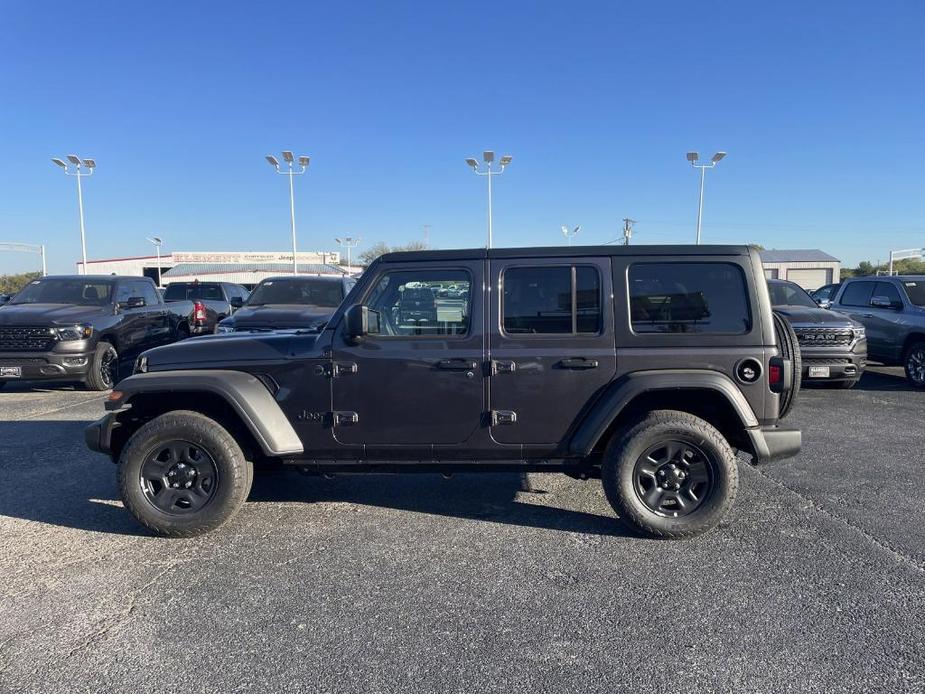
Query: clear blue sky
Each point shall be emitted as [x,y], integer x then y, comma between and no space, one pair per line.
[820,105]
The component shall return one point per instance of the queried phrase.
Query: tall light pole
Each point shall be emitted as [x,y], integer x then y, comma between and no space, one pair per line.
[570,233]
[488,156]
[78,163]
[156,240]
[693,158]
[349,243]
[908,253]
[303,162]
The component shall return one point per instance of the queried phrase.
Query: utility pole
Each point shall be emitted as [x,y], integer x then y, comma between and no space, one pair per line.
[426,236]
[627,230]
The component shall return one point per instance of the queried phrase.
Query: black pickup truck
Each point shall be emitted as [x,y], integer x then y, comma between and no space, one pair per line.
[75,328]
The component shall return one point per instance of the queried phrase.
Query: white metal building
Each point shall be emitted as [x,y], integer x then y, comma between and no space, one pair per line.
[809,268]
[245,267]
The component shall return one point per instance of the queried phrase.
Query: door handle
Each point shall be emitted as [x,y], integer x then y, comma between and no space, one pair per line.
[457,364]
[578,363]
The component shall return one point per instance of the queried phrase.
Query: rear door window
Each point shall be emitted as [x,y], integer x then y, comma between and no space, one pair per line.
[560,300]
[886,289]
[688,297]
[857,294]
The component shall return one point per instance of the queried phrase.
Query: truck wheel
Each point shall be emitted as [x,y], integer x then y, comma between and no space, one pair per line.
[104,367]
[914,364]
[182,474]
[670,475]
[789,349]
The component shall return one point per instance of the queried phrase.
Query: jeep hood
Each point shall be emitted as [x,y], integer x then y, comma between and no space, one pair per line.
[803,315]
[280,316]
[224,351]
[49,315]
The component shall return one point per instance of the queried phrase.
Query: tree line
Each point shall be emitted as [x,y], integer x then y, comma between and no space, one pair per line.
[10,284]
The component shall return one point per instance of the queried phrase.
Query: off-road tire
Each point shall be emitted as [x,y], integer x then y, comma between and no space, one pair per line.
[234,477]
[104,357]
[916,348]
[619,469]
[789,349]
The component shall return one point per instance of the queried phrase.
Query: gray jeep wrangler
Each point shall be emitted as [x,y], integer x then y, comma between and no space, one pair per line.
[646,367]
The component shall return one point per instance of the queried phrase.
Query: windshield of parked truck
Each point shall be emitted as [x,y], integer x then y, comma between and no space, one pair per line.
[789,294]
[77,292]
[312,292]
[915,290]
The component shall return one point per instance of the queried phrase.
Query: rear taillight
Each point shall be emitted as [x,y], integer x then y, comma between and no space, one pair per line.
[775,374]
[199,312]
[779,374]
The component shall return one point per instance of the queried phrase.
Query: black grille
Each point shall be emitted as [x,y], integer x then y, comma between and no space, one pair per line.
[825,362]
[823,337]
[25,339]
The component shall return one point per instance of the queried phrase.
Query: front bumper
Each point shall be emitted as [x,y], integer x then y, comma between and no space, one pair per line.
[770,443]
[48,366]
[844,364]
[98,436]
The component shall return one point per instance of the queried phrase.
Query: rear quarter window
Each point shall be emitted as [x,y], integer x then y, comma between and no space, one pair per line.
[688,297]
[857,294]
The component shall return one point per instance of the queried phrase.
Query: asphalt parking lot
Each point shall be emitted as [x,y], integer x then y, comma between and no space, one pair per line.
[473,584]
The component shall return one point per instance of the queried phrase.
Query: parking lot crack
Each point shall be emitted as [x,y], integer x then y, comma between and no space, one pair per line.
[110,624]
[879,542]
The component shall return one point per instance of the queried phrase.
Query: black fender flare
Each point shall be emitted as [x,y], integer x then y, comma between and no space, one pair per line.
[623,390]
[244,393]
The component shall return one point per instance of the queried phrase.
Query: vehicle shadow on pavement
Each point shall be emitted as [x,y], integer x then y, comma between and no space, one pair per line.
[880,381]
[47,476]
[490,497]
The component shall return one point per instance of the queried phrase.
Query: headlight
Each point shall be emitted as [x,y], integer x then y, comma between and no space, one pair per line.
[76,332]
[858,331]
[224,329]
[141,365]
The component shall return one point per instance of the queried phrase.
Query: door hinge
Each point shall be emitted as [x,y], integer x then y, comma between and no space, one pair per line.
[344,418]
[337,369]
[499,366]
[499,417]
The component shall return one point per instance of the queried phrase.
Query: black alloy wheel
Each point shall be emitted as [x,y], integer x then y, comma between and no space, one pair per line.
[915,365]
[673,478]
[178,477]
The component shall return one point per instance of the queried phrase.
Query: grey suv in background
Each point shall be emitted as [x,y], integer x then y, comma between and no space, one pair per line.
[892,309]
[833,346]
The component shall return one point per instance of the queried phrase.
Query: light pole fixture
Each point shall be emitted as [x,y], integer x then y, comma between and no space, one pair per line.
[156,240]
[489,157]
[26,248]
[90,166]
[290,171]
[348,242]
[907,253]
[693,158]
[570,233]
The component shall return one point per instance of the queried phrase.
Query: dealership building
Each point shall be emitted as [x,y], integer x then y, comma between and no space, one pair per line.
[245,267]
[809,268]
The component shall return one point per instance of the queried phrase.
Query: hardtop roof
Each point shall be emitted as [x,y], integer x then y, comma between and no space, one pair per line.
[565,252]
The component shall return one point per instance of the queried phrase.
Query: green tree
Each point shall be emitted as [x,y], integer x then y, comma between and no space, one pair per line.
[865,268]
[10,284]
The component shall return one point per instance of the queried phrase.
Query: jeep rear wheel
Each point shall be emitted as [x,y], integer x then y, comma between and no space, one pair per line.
[183,474]
[914,364]
[670,475]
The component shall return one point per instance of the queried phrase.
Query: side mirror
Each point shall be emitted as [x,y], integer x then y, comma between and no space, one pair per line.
[133,302]
[236,302]
[824,303]
[884,302]
[360,321]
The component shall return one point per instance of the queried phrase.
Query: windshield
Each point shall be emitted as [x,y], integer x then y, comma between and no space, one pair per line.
[298,291]
[193,291]
[915,289]
[789,294]
[65,291]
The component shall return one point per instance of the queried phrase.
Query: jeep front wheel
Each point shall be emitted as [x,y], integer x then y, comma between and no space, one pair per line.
[183,474]
[670,475]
